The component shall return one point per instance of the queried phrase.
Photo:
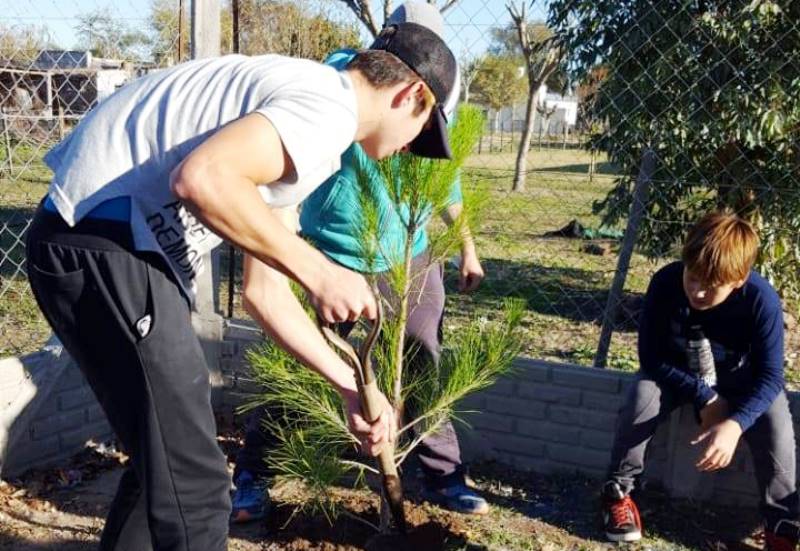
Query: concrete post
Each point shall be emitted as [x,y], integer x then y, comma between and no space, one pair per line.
[641,192]
[205,28]
[207,321]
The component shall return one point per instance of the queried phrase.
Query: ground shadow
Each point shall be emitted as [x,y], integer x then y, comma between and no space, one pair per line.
[14,543]
[14,222]
[568,502]
[604,168]
[570,293]
[571,501]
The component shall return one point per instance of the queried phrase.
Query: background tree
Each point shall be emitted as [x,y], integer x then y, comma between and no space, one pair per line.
[712,87]
[469,67]
[313,434]
[265,26]
[166,47]
[21,45]
[588,120]
[586,92]
[542,56]
[498,83]
[291,28]
[105,36]
[505,42]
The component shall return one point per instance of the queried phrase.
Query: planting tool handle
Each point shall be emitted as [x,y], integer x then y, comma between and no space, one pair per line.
[370,408]
[370,401]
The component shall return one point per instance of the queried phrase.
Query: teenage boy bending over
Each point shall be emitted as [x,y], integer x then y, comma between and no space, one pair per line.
[151,180]
[711,292]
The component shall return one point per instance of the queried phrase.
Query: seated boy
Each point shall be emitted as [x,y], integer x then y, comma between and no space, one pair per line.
[740,314]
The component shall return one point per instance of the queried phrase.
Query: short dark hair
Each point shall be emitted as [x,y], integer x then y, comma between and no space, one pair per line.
[382,69]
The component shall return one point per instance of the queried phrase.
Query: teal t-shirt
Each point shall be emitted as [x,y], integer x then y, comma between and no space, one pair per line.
[331,216]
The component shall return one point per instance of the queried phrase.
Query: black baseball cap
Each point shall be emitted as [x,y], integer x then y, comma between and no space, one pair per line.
[427,55]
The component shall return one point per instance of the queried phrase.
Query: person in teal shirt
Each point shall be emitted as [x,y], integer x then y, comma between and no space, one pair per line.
[330,218]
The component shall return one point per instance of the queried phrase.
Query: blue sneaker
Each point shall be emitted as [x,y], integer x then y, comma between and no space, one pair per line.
[250,500]
[457,498]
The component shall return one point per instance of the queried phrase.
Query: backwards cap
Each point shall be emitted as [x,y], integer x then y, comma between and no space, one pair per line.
[424,52]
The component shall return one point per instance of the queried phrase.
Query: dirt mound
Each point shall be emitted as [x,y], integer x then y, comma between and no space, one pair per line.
[350,530]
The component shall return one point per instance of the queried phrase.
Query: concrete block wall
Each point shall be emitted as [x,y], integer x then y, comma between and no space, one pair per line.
[63,424]
[553,418]
[546,418]
[48,411]
[240,336]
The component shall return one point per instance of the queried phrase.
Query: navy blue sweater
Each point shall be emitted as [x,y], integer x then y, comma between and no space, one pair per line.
[746,335]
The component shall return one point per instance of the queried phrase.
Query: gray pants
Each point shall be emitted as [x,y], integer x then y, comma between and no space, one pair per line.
[439,454]
[771,441]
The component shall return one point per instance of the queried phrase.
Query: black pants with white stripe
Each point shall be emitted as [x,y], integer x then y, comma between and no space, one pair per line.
[122,317]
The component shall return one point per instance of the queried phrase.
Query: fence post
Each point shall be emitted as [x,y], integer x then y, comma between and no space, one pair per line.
[205,43]
[7,141]
[207,322]
[205,28]
[62,129]
[231,248]
[640,194]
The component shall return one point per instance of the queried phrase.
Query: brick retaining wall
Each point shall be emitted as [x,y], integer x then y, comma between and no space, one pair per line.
[547,418]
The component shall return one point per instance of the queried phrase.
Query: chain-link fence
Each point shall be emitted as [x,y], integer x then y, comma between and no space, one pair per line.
[710,88]
[57,60]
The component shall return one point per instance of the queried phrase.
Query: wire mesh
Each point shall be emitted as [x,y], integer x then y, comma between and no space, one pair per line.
[57,60]
[711,87]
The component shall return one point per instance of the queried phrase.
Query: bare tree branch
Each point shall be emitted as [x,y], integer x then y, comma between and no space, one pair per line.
[387,10]
[520,19]
[542,58]
[447,5]
[363,12]
[469,70]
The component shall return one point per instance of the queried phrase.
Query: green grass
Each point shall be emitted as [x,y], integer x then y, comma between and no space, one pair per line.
[564,287]
[22,184]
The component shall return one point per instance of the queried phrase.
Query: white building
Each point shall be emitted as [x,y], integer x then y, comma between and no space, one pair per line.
[555,115]
[69,82]
[106,75]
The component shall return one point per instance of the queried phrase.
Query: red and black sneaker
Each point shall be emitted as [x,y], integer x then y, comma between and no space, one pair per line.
[620,515]
[783,537]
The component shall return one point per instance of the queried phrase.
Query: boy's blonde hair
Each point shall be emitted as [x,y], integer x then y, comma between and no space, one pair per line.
[720,248]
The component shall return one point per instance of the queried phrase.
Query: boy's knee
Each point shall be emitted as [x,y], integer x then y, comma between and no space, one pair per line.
[644,391]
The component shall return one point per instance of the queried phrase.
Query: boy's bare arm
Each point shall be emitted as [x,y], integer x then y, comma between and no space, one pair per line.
[269,299]
[218,183]
[470,271]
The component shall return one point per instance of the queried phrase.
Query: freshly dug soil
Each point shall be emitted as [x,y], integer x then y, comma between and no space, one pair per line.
[427,528]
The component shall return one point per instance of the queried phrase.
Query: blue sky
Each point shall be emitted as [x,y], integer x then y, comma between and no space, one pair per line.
[467,23]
